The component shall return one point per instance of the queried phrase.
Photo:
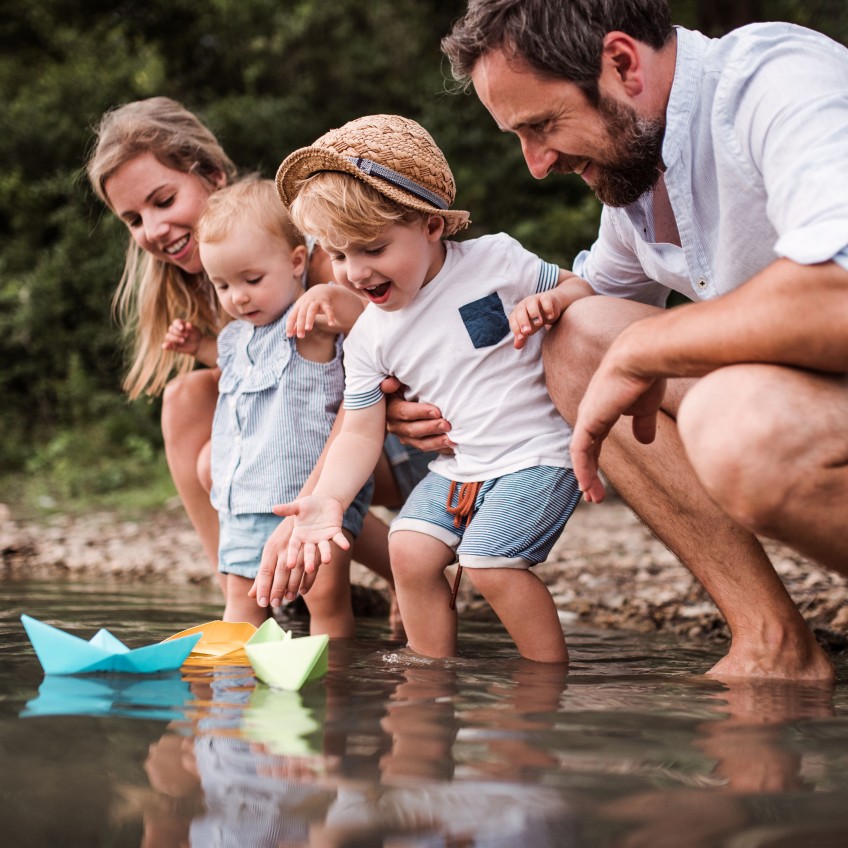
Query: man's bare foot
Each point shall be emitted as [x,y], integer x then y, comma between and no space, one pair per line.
[776,659]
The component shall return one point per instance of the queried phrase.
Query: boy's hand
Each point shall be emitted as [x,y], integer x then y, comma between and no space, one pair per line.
[317,301]
[533,313]
[317,522]
[182,337]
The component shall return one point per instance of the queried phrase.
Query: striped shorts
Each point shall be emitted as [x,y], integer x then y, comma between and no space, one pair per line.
[516,521]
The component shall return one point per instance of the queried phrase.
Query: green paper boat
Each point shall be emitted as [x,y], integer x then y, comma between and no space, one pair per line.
[284,662]
[283,723]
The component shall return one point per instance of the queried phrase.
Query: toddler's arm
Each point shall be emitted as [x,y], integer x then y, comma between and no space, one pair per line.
[349,462]
[328,307]
[546,308]
[184,337]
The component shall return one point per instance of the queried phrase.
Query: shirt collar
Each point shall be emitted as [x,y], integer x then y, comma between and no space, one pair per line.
[682,101]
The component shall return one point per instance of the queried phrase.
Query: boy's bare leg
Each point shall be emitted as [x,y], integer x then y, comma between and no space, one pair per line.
[770,445]
[328,600]
[188,406]
[424,593]
[526,609]
[769,636]
[239,607]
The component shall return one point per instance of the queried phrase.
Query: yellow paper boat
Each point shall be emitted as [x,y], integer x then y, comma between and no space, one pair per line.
[284,662]
[221,642]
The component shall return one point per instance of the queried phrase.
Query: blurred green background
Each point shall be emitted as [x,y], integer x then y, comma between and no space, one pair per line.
[268,76]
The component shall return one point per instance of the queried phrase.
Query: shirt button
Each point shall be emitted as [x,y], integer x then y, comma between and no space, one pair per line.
[702,283]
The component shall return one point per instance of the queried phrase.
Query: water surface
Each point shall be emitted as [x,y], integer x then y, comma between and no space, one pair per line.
[630,749]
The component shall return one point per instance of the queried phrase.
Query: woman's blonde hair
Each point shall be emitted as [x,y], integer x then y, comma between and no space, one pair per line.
[340,210]
[151,293]
[252,199]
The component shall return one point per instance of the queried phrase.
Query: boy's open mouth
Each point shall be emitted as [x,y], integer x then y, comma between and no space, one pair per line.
[377,294]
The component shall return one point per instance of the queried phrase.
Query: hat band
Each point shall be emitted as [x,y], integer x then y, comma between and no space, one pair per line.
[377,170]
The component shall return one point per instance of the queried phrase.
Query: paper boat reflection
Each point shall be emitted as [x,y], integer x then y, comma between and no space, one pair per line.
[221,642]
[284,662]
[63,653]
[160,698]
[285,723]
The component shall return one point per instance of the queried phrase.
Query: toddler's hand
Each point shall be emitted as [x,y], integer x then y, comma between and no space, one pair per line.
[316,301]
[533,313]
[317,523]
[182,337]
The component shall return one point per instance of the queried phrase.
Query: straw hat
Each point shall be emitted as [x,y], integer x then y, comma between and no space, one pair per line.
[395,155]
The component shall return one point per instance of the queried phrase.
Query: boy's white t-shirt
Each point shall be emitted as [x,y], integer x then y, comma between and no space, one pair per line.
[502,418]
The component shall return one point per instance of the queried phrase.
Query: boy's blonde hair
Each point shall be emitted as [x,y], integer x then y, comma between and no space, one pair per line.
[251,199]
[340,210]
[151,293]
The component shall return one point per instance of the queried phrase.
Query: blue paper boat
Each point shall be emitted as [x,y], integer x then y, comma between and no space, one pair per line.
[162,698]
[63,653]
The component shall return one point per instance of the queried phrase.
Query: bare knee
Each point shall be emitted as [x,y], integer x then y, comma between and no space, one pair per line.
[739,445]
[490,582]
[575,345]
[405,562]
[188,403]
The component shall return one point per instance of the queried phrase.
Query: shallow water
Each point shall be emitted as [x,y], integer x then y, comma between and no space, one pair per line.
[631,749]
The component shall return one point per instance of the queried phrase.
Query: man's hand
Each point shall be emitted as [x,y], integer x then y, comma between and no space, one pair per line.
[611,393]
[417,424]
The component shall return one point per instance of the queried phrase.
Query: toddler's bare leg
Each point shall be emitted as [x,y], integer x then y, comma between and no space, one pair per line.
[423,591]
[239,606]
[525,607]
[328,600]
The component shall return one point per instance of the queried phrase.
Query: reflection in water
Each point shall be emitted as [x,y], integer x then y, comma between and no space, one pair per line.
[753,763]
[627,750]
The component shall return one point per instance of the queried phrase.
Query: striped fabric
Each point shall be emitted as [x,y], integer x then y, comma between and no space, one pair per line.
[275,410]
[516,521]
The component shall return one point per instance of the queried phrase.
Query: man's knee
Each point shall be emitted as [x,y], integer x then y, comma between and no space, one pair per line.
[738,445]
[575,345]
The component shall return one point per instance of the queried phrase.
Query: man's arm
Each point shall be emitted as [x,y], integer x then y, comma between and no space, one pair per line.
[788,314]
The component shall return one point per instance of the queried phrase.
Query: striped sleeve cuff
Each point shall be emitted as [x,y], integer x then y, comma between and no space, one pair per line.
[362,400]
[548,276]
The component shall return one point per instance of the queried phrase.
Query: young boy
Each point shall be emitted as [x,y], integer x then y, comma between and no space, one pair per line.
[278,394]
[376,193]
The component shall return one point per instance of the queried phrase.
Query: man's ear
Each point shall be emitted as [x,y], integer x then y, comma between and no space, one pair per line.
[621,63]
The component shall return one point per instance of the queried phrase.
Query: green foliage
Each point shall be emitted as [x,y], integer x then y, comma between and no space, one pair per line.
[268,77]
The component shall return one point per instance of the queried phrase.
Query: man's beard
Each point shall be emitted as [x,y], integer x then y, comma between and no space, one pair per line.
[636,153]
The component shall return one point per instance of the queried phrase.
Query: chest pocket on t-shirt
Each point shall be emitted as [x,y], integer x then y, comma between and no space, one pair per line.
[485,320]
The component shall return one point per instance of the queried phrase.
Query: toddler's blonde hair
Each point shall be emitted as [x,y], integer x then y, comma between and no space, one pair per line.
[252,199]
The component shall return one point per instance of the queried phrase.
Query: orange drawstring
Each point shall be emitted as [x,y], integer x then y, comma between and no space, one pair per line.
[464,509]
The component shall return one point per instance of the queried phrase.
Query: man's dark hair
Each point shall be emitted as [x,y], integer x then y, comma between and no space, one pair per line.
[558,39]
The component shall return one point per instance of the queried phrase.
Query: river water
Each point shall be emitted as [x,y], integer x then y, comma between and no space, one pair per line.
[629,749]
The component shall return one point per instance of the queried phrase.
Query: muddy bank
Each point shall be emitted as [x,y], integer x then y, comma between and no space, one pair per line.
[606,570]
